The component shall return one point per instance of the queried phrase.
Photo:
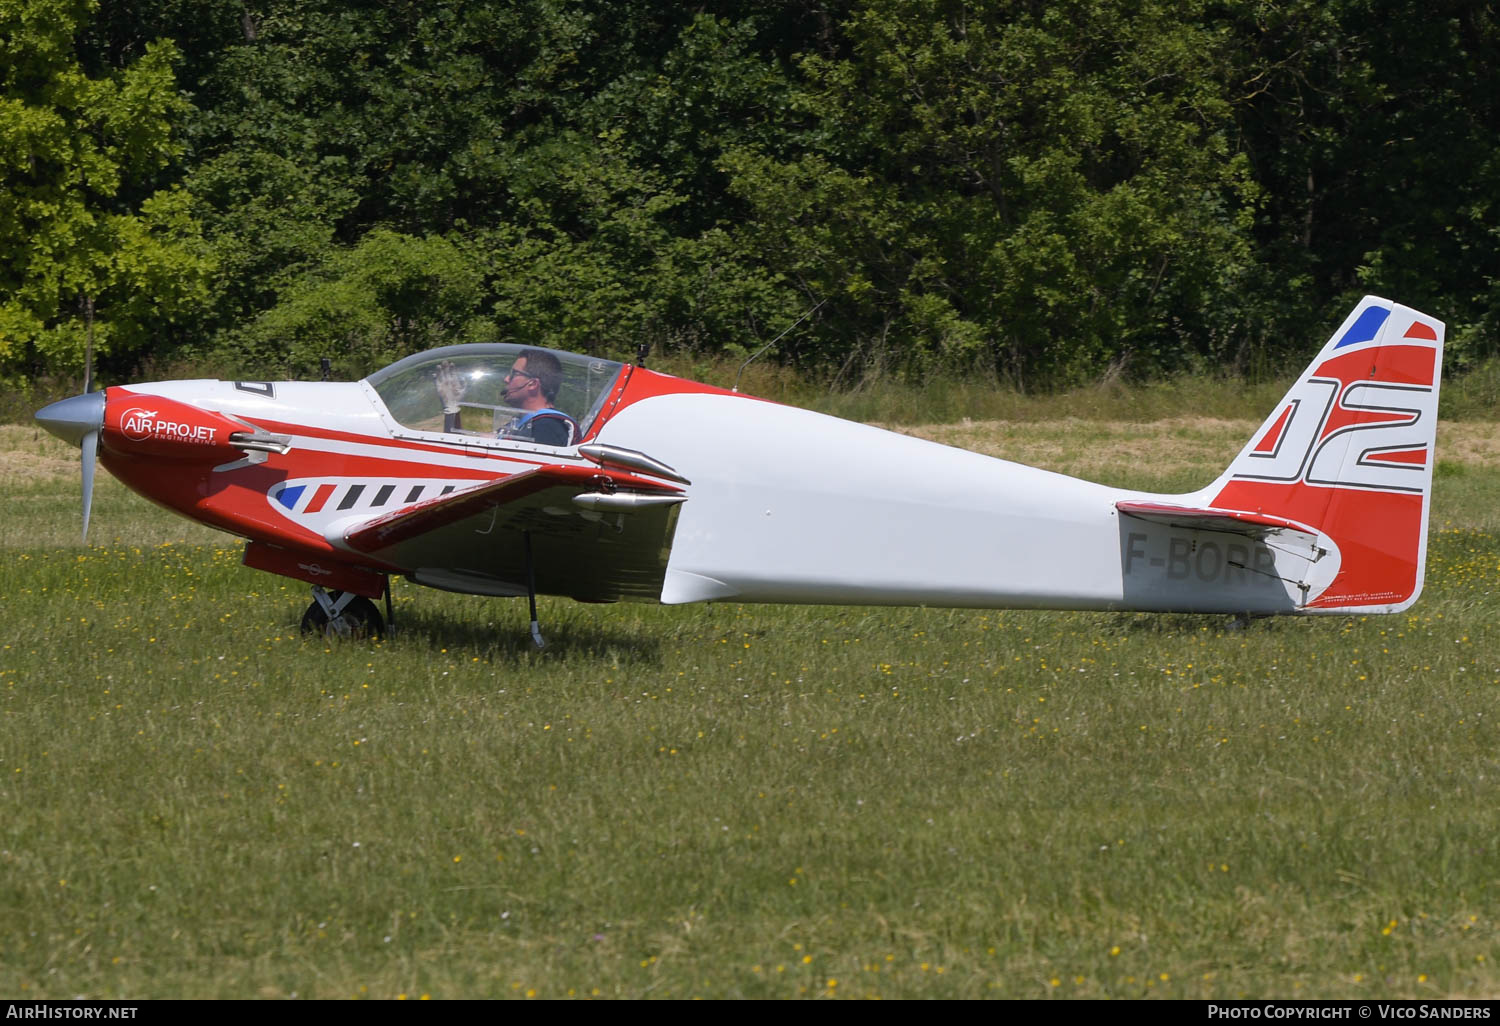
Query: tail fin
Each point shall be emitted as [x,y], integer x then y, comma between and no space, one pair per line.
[1349,453]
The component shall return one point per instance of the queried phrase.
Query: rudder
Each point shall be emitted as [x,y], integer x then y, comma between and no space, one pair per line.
[1350,451]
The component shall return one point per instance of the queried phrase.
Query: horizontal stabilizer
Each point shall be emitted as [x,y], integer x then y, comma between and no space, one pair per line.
[1252,525]
[1290,536]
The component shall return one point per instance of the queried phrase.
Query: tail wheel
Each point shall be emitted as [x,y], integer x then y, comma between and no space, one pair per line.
[339,615]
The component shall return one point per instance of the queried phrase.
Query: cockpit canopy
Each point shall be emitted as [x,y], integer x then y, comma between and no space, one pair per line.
[409,387]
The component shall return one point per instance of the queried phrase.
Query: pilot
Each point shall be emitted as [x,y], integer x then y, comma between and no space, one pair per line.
[531,386]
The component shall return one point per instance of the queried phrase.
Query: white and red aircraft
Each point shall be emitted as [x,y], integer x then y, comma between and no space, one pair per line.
[647,486]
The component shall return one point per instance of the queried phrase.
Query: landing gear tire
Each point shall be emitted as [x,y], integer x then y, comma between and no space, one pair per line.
[354,619]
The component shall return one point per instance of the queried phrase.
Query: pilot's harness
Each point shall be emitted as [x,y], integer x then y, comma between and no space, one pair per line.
[519,424]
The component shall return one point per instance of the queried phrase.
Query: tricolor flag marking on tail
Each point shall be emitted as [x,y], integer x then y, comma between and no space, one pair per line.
[1365,328]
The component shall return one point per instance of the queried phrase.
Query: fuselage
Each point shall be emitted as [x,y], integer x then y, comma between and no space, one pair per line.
[785,505]
[793,506]
[647,486]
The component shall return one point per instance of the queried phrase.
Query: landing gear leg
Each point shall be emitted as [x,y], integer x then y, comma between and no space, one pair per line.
[342,614]
[536,630]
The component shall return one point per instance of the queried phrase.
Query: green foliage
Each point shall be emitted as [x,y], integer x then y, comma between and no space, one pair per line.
[1371,130]
[368,305]
[1050,195]
[89,236]
[532,139]
[270,221]
[1046,192]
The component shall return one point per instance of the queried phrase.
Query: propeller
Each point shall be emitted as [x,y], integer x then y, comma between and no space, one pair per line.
[90,447]
[77,420]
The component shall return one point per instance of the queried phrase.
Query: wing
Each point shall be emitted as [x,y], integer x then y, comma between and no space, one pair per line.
[597,537]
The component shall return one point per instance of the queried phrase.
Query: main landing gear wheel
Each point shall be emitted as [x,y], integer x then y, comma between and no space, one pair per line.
[342,614]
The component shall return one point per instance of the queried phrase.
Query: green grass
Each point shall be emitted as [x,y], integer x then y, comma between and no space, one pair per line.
[738,801]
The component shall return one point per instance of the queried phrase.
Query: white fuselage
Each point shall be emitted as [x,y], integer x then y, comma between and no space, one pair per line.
[792,506]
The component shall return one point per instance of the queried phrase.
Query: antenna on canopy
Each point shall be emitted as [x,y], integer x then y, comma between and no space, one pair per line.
[641,352]
[773,341]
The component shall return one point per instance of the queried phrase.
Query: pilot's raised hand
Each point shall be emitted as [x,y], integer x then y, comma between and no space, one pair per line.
[450,386]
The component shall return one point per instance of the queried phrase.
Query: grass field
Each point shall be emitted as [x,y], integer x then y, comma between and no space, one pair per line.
[740,801]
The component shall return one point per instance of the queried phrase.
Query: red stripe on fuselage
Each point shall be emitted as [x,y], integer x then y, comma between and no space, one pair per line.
[475,452]
[645,384]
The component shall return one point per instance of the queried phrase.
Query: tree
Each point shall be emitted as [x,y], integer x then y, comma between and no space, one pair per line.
[1047,189]
[1375,133]
[90,243]
[367,305]
[569,150]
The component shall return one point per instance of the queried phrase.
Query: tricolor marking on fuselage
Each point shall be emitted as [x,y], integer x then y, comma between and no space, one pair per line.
[311,501]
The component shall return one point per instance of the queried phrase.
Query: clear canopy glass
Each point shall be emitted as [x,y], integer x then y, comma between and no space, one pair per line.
[410,389]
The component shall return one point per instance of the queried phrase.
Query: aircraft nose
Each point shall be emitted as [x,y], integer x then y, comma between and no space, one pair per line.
[71,419]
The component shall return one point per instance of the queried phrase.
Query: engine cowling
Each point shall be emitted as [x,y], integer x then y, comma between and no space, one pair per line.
[149,425]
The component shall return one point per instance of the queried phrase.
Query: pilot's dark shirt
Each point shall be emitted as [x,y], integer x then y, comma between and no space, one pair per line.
[545,427]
